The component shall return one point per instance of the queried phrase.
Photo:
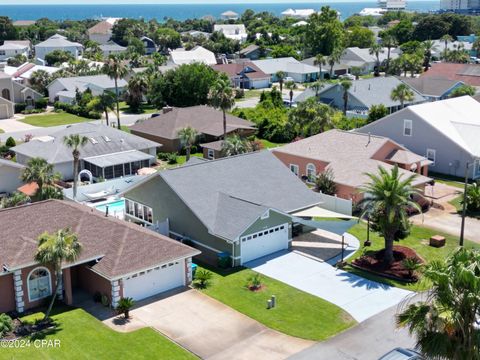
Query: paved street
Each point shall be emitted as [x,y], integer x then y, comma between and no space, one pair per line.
[367,341]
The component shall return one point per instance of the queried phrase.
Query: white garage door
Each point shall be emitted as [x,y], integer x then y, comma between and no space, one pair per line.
[264,243]
[154,281]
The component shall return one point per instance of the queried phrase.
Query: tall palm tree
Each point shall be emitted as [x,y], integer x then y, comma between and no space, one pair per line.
[53,251]
[75,142]
[317,86]
[115,68]
[106,103]
[402,93]
[446,39]
[319,61]
[388,41]
[38,170]
[221,96]
[333,58]
[234,145]
[429,46]
[137,86]
[187,136]
[346,85]
[445,325]
[280,75]
[376,50]
[40,80]
[290,85]
[389,195]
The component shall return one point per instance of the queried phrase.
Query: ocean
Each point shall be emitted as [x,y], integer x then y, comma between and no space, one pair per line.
[181,11]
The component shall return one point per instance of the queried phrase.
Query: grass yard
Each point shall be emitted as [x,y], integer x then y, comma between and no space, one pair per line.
[84,337]
[297,313]
[145,108]
[448,180]
[125,128]
[249,94]
[182,159]
[269,144]
[53,119]
[414,241]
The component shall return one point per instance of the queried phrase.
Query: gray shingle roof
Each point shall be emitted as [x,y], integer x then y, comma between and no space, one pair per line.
[111,46]
[83,82]
[430,86]
[228,194]
[55,151]
[58,41]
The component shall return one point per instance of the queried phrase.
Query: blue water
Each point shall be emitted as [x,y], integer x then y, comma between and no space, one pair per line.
[113,207]
[182,11]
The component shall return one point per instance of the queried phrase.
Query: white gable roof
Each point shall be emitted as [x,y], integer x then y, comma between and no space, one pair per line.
[197,54]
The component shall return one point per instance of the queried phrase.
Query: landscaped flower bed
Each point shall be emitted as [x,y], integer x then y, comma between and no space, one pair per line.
[399,269]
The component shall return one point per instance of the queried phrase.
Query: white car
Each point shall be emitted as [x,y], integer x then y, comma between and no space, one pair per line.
[347,76]
[402,354]
[287,79]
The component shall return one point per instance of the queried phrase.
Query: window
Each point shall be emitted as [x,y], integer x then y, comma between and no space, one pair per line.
[39,284]
[210,154]
[6,94]
[431,153]
[407,128]
[311,173]
[2,52]
[294,169]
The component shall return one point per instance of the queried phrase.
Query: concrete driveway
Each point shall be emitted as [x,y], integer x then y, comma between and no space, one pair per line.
[209,328]
[360,297]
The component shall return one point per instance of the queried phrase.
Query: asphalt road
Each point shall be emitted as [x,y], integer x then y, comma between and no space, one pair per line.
[367,341]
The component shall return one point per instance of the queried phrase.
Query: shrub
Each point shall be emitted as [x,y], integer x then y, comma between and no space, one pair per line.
[10,142]
[411,264]
[6,324]
[254,282]
[77,110]
[19,107]
[325,183]
[41,103]
[105,300]
[172,158]
[33,111]
[27,137]
[202,278]
[473,197]
[124,305]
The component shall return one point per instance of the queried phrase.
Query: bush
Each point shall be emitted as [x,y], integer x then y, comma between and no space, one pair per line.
[124,305]
[33,111]
[172,158]
[325,183]
[105,300]
[77,110]
[202,278]
[20,107]
[10,142]
[473,197]
[41,103]
[254,282]
[6,324]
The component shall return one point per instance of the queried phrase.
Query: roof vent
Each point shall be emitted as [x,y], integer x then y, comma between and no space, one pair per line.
[93,141]
[106,138]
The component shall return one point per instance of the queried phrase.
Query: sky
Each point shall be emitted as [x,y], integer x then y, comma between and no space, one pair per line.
[90,2]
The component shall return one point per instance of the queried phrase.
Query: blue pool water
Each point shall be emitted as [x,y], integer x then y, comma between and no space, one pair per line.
[113,207]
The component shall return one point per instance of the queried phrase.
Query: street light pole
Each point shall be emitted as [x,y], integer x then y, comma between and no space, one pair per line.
[464,205]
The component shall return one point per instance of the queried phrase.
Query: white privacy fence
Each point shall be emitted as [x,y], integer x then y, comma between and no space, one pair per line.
[334,203]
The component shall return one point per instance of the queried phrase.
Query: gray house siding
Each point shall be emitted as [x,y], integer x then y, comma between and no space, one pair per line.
[450,159]
[273,219]
[10,178]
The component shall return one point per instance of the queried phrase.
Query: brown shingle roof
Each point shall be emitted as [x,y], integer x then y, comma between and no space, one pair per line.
[123,247]
[103,27]
[468,73]
[205,119]
[235,70]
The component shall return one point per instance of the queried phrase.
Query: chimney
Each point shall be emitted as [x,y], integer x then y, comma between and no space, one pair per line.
[167,109]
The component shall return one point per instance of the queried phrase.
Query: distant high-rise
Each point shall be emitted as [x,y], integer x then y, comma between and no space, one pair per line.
[460,5]
[393,4]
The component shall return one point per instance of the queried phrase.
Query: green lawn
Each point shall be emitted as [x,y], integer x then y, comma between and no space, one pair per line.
[269,144]
[297,313]
[145,108]
[416,241]
[125,128]
[457,202]
[448,180]
[84,337]
[181,159]
[249,94]
[53,119]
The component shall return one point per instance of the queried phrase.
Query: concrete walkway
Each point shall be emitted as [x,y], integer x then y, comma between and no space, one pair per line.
[209,328]
[14,125]
[360,297]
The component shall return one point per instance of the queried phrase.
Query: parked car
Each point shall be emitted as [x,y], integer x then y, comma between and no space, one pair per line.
[402,354]
[287,79]
[347,76]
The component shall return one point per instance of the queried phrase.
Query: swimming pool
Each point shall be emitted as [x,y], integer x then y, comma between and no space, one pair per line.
[115,208]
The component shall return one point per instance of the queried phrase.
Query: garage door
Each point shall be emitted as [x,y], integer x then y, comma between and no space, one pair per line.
[154,281]
[256,245]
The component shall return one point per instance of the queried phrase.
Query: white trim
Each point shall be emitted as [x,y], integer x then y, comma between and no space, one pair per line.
[294,166]
[135,217]
[49,283]
[314,172]
[434,156]
[210,154]
[405,122]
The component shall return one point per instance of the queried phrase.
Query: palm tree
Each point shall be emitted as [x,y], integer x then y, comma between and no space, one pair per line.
[389,42]
[280,75]
[446,39]
[334,58]
[446,323]
[137,86]
[476,47]
[187,136]
[376,50]
[317,86]
[221,96]
[429,46]
[319,61]
[106,103]
[402,93]
[234,145]
[290,85]
[115,68]
[346,85]
[75,142]
[40,80]
[388,195]
[38,170]
[53,251]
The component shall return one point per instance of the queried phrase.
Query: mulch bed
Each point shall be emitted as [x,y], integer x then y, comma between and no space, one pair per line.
[27,329]
[373,262]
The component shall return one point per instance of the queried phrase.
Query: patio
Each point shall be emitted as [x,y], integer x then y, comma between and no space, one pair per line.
[319,244]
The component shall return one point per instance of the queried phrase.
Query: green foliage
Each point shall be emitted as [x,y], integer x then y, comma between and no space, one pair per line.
[166,39]
[254,282]
[325,182]
[412,264]
[463,90]
[137,87]
[324,32]
[10,142]
[124,305]
[274,97]
[41,103]
[403,31]
[40,80]
[360,37]
[19,107]
[473,197]
[78,110]
[38,170]
[6,324]
[17,60]
[7,30]
[58,57]
[16,199]
[279,51]
[311,117]
[105,300]
[377,112]
[235,145]
[202,278]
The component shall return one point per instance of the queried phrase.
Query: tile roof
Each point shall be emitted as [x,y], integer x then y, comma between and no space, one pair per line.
[103,27]
[428,86]
[123,247]
[235,69]
[205,119]
[468,73]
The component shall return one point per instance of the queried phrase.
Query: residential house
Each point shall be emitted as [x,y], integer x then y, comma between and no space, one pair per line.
[57,42]
[439,47]
[23,23]
[196,34]
[64,89]
[293,68]
[118,259]
[10,50]
[10,173]
[11,93]
[196,55]
[206,120]
[232,31]
[26,43]
[362,95]
[23,73]
[349,156]
[446,132]
[111,48]
[229,15]
[242,206]
[432,89]
[298,13]
[102,32]
[467,73]
[254,52]
[108,154]
[149,44]
[244,75]
[362,59]
[338,69]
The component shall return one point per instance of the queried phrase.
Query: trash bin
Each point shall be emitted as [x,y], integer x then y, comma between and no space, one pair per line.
[223,260]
